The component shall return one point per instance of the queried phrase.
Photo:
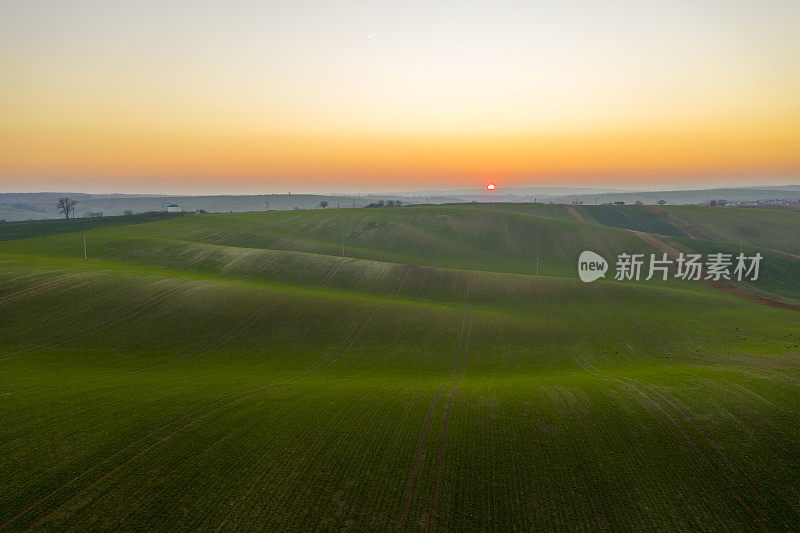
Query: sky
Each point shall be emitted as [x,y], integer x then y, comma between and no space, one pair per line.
[335,96]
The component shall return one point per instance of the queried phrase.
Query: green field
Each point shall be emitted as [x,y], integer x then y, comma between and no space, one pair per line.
[234,371]
[39,228]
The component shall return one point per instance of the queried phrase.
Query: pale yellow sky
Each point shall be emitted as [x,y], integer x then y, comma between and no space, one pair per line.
[274,96]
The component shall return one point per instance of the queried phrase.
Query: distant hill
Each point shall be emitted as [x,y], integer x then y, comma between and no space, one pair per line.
[33,206]
[687,197]
[568,195]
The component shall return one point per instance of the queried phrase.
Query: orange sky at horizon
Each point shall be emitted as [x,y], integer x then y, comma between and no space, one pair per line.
[621,157]
[274,97]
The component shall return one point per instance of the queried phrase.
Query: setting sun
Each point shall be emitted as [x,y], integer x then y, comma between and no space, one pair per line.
[490,186]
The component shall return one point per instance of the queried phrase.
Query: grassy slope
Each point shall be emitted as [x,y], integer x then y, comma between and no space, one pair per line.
[280,246]
[637,218]
[483,237]
[188,378]
[39,228]
[777,229]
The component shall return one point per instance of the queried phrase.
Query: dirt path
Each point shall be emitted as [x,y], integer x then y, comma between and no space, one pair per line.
[687,228]
[722,285]
[576,214]
[785,254]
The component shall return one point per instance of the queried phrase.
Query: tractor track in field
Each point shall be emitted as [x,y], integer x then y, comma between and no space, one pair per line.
[276,255]
[194,238]
[58,311]
[215,343]
[316,369]
[738,291]
[331,273]
[717,447]
[631,382]
[211,248]
[324,222]
[143,306]
[631,385]
[200,256]
[637,386]
[47,274]
[224,401]
[440,452]
[588,367]
[280,242]
[234,230]
[735,364]
[52,282]
[409,493]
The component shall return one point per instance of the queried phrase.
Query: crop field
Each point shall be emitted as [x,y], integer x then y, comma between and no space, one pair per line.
[415,368]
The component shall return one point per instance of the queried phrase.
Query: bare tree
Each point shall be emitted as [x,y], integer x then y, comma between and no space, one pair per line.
[323,204]
[662,202]
[66,206]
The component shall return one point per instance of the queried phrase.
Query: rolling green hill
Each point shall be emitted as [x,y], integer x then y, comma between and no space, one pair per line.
[236,372]
[777,229]
[40,228]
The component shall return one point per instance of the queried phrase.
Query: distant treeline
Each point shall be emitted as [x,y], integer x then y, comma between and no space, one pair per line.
[387,203]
